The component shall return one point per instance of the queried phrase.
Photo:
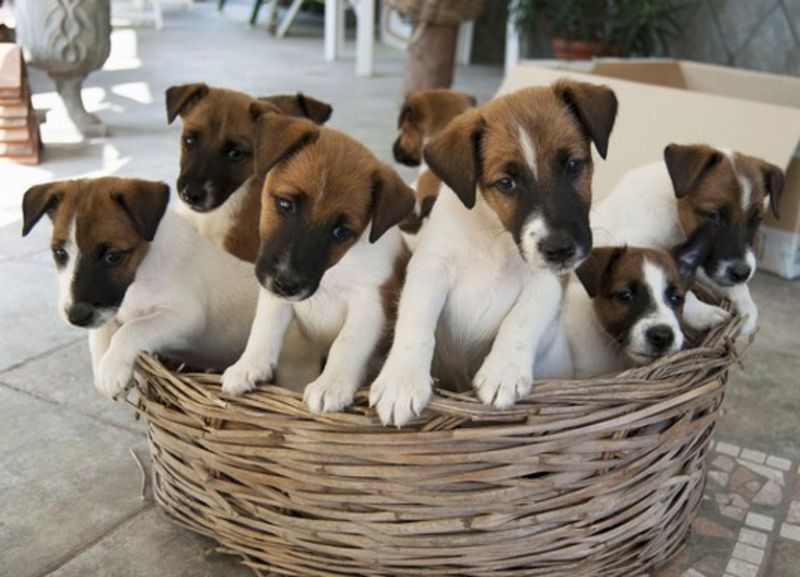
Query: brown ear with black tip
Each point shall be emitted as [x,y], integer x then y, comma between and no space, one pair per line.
[392,201]
[38,201]
[688,164]
[597,265]
[180,99]
[144,202]
[301,105]
[278,136]
[454,155]
[773,184]
[594,106]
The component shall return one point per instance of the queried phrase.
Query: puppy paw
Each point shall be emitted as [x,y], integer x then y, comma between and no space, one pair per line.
[330,393]
[750,313]
[704,316]
[501,382]
[114,374]
[398,395]
[244,375]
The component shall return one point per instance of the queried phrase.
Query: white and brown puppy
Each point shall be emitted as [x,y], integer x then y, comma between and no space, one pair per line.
[658,205]
[424,114]
[216,187]
[331,256]
[624,307]
[140,277]
[485,275]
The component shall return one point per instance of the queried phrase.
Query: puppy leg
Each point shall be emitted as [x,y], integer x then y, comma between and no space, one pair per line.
[743,302]
[99,341]
[404,385]
[507,371]
[260,357]
[348,359]
[148,334]
[702,316]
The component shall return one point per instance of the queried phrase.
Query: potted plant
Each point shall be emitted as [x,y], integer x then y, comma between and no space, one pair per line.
[582,29]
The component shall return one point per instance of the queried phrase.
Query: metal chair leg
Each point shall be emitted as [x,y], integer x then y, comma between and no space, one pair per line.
[254,15]
[220,4]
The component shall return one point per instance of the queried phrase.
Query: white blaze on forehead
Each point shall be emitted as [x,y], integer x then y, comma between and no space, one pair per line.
[655,279]
[66,274]
[746,187]
[529,151]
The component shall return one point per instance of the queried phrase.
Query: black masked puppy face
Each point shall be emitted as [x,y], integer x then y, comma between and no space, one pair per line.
[528,154]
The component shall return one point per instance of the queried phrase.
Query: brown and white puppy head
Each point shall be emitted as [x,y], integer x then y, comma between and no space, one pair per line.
[529,155]
[102,229]
[730,191]
[323,192]
[638,293]
[217,138]
[425,113]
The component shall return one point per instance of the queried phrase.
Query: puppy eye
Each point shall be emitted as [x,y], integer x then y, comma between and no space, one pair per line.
[236,154]
[674,297]
[506,185]
[284,205]
[60,255]
[573,166]
[755,220]
[189,140]
[623,297]
[113,257]
[342,233]
[712,216]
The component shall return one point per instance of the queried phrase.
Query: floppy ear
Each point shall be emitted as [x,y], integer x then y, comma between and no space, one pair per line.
[181,98]
[144,202]
[597,265]
[277,136]
[407,114]
[301,105]
[693,252]
[773,184]
[688,164]
[454,155]
[38,200]
[594,105]
[392,201]
[471,100]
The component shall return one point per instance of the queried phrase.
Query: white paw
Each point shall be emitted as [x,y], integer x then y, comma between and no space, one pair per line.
[750,313]
[330,393]
[113,375]
[244,375]
[501,382]
[704,316]
[399,394]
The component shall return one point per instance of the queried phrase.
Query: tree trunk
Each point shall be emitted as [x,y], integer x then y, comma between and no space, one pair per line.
[431,57]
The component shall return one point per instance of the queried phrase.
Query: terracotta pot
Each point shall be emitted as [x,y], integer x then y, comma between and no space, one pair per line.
[578,49]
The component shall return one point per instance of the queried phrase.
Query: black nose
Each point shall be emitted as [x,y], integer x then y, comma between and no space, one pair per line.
[739,272]
[558,248]
[660,337]
[402,156]
[194,195]
[80,314]
[287,286]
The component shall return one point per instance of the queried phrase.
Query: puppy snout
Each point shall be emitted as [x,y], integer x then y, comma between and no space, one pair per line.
[80,314]
[403,156]
[194,195]
[739,272]
[288,285]
[558,249]
[660,337]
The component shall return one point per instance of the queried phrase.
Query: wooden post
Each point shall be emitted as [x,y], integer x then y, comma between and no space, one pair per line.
[431,57]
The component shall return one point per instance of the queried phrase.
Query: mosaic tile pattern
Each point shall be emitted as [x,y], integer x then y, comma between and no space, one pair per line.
[751,506]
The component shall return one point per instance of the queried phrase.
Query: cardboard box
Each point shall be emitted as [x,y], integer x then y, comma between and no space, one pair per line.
[663,101]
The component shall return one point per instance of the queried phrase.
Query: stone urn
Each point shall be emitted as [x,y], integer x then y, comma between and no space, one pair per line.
[67,39]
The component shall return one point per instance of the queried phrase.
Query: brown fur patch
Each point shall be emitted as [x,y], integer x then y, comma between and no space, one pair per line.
[242,240]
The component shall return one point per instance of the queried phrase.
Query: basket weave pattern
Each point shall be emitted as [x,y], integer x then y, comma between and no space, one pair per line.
[593,478]
[441,12]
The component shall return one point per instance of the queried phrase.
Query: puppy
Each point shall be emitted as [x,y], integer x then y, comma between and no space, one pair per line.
[331,256]
[624,306]
[512,218]
[218,193]
[658,205]
[424,114]
[140,277]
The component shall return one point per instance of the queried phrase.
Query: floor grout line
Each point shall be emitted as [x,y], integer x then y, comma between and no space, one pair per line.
[41,355]
[56,565]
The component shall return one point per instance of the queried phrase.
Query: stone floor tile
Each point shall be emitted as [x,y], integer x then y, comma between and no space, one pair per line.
[748,553]
[755,456]
[779,463]
[789,531]
[728,449]
[752,537]
[739,568]
[760,521]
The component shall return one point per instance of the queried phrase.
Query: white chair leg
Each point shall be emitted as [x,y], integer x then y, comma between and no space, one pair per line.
[269,15]
[512,45]
[158,16]
[341,26]
[288,20]
[365,37]
[332,15]
[464,43]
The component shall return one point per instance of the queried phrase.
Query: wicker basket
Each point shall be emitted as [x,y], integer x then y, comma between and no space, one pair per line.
[442,12]
[594,478]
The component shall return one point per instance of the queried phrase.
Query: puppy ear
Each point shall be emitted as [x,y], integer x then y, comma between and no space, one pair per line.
[454,155]
[278,136]
[392,201]
[181,98]
[597,265]
[301,105]
[471,100]
[688,164]
[407,114]
[693,252]
[595,107]
[773,184]
[144,202]
[38,200]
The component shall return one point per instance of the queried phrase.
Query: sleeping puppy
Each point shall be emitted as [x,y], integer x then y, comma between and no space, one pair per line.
[485,277]
[658,205]
[140,278]
[624,307]
[331,256]
[218,193]
[424,114]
